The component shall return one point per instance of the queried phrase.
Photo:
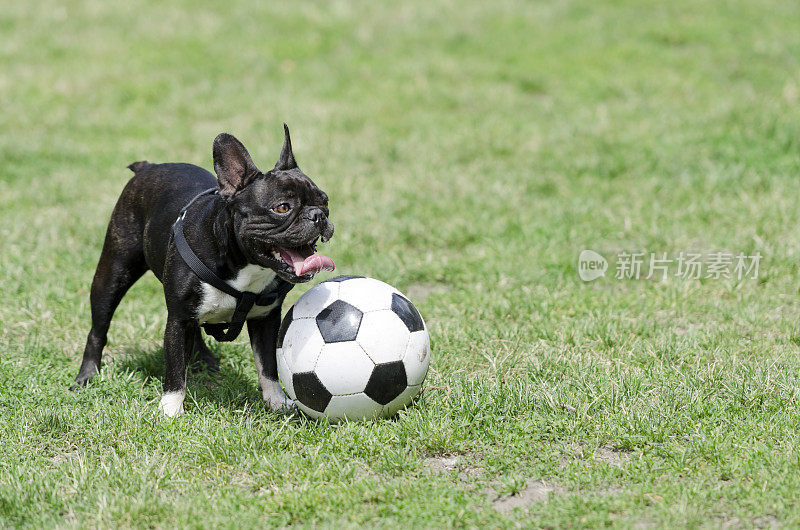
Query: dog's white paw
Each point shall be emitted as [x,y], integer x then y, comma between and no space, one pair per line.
[275,398]
[171,404]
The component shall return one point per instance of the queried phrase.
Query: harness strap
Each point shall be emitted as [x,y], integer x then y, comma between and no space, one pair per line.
[194,263]
[224,332]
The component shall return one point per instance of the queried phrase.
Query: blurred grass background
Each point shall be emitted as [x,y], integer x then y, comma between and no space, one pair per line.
[470,150]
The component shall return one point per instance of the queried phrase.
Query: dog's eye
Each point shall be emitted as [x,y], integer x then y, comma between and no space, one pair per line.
[282,208]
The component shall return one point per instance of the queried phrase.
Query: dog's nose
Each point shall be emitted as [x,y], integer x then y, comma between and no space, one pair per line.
[317,216]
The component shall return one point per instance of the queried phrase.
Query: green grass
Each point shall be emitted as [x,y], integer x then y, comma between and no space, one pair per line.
[469,148]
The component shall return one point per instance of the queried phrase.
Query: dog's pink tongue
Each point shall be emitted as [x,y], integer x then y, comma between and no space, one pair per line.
[304,264]
[314,264]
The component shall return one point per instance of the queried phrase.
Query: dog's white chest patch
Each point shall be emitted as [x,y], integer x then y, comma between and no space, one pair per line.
[216,307]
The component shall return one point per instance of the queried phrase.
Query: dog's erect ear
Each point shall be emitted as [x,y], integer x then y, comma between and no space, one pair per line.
[286,161]
[232,163]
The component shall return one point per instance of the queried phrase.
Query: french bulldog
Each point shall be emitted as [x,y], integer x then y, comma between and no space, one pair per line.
[255,229]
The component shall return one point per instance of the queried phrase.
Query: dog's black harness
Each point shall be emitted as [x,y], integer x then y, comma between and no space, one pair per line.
[244,299]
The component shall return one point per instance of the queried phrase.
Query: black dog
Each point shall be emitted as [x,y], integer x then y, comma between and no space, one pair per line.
[253,231]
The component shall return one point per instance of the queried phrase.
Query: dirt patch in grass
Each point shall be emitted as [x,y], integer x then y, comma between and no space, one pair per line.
[615,456]
[468,470]
[441,463]
[539,491]
[766,521]
[534,492]
[612,455]
[465,466]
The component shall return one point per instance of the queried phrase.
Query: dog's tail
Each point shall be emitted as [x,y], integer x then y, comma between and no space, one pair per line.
[138,166]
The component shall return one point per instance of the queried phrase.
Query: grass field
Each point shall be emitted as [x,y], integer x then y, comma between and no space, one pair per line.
[471,151]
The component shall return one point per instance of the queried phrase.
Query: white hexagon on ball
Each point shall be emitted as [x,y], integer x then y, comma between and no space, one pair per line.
[354,406]
[343,368]
[315,300]
[417,357]
[367,294]
[383,336]
[302,345]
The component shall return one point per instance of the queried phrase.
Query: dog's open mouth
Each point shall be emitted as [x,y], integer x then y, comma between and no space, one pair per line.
[303,260]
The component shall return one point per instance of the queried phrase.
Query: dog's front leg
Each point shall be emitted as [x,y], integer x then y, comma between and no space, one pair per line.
[178,343]
[264,338]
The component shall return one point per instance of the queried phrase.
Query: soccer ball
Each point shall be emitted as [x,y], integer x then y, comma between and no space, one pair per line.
[353,347]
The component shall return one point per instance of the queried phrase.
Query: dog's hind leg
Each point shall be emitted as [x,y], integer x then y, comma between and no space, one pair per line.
[202,356]
[121,264]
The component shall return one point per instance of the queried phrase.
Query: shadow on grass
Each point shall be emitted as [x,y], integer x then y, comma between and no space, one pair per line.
[228,387]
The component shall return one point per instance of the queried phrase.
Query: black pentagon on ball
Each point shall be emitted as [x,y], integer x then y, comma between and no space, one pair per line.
[339,322]
[310,391]
[388,380]
[403,308]
[341,278]
[287,320]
